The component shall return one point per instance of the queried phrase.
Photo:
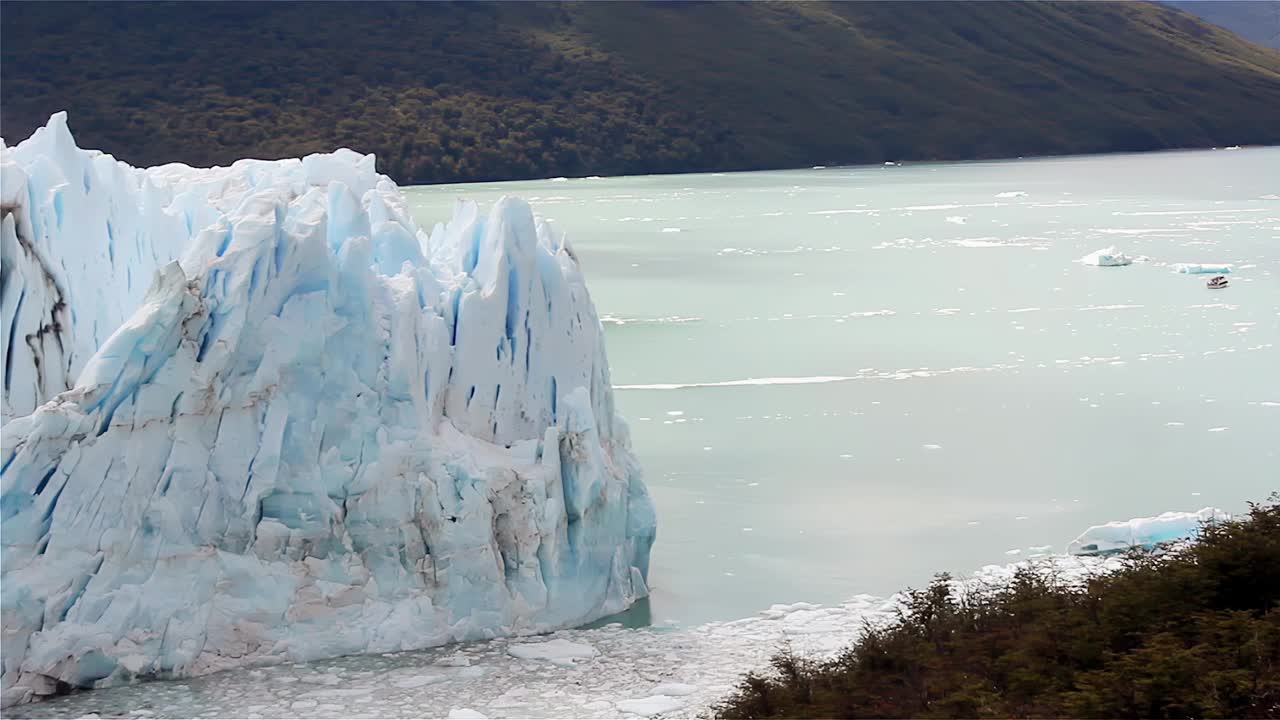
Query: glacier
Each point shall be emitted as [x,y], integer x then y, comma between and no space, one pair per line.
[255,414]
[1145,532]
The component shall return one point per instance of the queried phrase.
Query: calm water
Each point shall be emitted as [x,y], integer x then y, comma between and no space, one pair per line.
[843,380]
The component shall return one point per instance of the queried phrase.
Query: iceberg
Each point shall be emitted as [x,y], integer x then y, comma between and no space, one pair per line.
[318,429]
[1143,532]
[1201,268]
[1107,257]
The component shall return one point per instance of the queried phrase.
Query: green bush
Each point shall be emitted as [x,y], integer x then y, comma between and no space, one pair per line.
[1192,631]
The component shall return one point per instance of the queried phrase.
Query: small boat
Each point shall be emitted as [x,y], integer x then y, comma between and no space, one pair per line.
[1216,282]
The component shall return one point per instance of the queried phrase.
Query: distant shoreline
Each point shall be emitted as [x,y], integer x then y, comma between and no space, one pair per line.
[862,166]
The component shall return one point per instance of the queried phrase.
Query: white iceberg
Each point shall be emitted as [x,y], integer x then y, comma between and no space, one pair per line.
[1107,257]
[1201,268]
[321,431]
[1143,532]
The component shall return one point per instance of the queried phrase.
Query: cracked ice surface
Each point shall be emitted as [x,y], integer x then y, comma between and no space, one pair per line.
[81,235]
[628,673]
[321,432]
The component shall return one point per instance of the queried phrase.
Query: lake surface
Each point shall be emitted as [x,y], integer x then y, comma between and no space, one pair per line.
[841,381]
[844,380]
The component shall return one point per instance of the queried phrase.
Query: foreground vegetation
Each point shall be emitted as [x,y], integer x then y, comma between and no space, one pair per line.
[482,91]
[1193,632]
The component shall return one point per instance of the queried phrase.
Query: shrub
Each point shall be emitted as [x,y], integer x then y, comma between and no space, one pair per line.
[1187,631]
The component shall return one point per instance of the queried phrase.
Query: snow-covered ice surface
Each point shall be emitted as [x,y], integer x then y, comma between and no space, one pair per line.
[321,431]
[1107,257]
[631,673]
[1146,532]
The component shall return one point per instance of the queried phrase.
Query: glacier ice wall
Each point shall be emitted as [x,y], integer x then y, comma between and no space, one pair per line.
[318,431]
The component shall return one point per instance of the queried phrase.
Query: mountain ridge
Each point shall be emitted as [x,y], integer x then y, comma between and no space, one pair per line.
[1257,21]
[524,90]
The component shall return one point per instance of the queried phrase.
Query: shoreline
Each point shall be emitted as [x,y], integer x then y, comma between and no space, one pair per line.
[611,671]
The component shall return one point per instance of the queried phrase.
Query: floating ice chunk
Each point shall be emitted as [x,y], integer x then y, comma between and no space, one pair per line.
[416,681]
[557,652]
[652,705]
[1143,532]
[674,689]
[344,692]
[1011,194]
[1201,268]
[1107,257]
[468,713]
[956,219]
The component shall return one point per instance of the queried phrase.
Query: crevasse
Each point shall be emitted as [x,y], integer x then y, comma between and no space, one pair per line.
[255,414]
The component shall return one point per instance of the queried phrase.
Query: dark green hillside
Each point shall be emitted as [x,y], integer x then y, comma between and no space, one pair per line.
[467,91]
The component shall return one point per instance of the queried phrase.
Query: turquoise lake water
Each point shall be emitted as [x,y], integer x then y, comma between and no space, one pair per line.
[842,380]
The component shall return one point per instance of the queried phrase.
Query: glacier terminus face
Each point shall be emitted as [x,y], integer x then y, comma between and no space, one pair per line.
[255,414]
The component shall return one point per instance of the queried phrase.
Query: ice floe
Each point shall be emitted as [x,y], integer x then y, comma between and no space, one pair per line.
[1201,268]
[1107,257]
[1143,532]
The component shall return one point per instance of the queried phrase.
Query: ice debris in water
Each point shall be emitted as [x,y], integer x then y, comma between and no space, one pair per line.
[1143,532]
[671,672]
[1107,257]
[320,431]
[557,652]
[1201,268]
